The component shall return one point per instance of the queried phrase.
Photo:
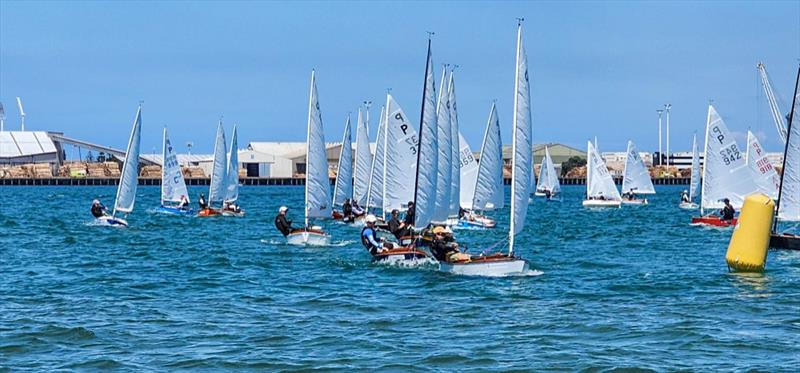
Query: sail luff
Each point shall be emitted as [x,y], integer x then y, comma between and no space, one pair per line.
[455,146]
[445,165]
[489,182]
[318,191]
[377,169]
[695,177]
[789,192]
[522,145]
[363,161]
[126,190]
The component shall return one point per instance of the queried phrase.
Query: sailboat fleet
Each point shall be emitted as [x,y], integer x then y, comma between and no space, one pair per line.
[429,172]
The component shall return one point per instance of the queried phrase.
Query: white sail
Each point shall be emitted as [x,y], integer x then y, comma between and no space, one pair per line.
[344,172]
[363,161]
[725,172]
[764,174]
[455,177]
[129,179]
[522,144]
[445,160]
[489,181]
[219,171]
[232,172]
[400,164]
[636,177]
[468,174]
[173,186]
[789,208]
[599,181]
[318,188]
[548,178]
[695,180]
[377,170]
[427,156]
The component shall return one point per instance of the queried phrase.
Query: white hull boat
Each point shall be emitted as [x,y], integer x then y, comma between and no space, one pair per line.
[113,221]
[689,206]
[634,201]
[308,238]
[492,266]
[600,203]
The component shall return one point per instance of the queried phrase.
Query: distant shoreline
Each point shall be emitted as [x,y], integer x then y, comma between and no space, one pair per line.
[254,181]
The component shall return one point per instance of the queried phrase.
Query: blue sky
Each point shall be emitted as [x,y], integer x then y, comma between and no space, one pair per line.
[598,68]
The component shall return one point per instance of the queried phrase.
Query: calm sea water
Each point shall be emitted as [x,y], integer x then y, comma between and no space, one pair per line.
[635,287]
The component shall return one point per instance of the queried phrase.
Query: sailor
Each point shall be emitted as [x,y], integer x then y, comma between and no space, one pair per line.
[685,197]
[202,201]
[368,237]
[98,210]
[357,210]
[184,204]
[444,248]
[284,225]
[347,211]
[409,220]
[397,227]
[728,211]
[547,194]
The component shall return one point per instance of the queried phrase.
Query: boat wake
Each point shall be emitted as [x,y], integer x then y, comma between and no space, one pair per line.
[408,263]
[275,242]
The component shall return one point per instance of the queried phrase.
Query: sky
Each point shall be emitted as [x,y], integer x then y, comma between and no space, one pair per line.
[597,68]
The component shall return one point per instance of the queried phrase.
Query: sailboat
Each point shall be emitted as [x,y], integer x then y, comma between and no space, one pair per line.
[788,203]
[229,206]
[636,178]
[725,172]
[548,178]
[500,264]
[173,185]
[375,189]
[318,189]
[129,179]
[600,188]
[343,189]
[217,190]
[764,174]
[444,169]
[694,182]
[488,185]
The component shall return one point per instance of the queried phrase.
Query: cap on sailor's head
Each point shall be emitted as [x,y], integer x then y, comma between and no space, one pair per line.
[95,202]
[283,209]
[370,219]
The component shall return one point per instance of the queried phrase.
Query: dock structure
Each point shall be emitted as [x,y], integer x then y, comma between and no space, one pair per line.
[251,181]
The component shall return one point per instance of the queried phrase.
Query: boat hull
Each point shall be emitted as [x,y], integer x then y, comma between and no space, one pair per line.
[113,221]
[174,210]
[399,255]
[493,265]
[601,203]
[712,221]
[308,237]
[239,214]
[689,206]
[208,212]
[634,202]
[481,222]
[784,241]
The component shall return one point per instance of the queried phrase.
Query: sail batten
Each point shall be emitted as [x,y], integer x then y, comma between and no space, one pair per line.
[636,177]
[489,182]
[126,190]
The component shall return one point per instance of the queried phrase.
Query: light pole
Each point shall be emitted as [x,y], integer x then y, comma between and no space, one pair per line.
[667,107]
[659,111]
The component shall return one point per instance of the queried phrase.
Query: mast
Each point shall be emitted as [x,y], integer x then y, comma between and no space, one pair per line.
[777,117]
[345,137]
[422,119]
[163,164]
[705,162]
[786,150]
[385,147]
[308,142]
[514,138]
[483,149]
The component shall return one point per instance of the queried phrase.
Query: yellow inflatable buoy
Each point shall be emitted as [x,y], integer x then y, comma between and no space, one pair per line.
[747,251]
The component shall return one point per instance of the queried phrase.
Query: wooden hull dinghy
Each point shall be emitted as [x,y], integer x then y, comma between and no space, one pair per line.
[712,221]
[400,254]
[313,236]
[786,241]
[490,265]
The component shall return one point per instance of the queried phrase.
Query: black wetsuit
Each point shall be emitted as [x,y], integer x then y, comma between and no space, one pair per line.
[283,225]
[202,202]
[98,210]
[394,227]
[409,220]
[441,249]
[347,211]
[728,213]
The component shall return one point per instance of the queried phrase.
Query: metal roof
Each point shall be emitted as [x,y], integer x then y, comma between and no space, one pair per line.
[25,143]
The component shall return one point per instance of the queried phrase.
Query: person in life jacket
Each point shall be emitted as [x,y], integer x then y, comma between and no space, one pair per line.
[347,211]
[357,210]
[369,237]
[98,210]
[184,204]
[728,211]
[284,225]
[444,248]
[685,197]
[202,201]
